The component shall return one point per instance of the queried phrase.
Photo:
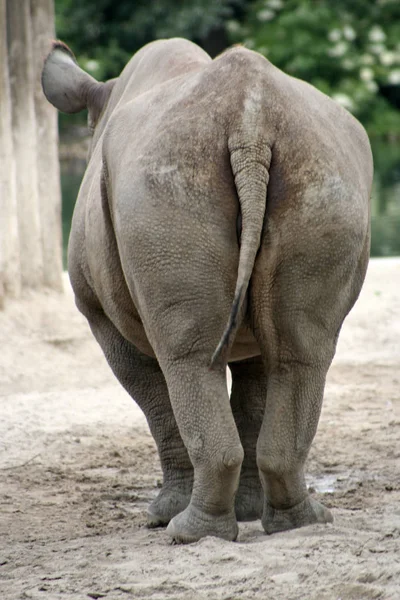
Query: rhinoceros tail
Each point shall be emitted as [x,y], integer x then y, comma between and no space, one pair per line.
[250,166]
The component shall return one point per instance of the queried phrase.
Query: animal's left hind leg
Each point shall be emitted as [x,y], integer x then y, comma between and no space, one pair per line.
[248,395]
[141,376]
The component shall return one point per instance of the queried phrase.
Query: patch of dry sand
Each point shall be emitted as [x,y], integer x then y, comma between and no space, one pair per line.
[78,468]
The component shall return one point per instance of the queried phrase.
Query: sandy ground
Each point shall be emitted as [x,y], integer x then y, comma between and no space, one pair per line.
[78,468]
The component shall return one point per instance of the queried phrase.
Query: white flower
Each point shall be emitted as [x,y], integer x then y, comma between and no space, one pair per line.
[334,35]
[366,74]
[367,59]
[394,76]
[371,86]
[275,4]
[377,48]
[265,15]
[376,34]
[338,50]
[92,65]
[248,43]
[349,33]
[344,100]
[387,58]
[233,26]
[348,63]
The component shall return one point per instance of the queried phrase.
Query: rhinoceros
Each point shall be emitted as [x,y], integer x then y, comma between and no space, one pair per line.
[223,219]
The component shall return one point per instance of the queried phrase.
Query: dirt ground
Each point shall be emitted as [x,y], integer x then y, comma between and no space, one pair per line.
[78,468]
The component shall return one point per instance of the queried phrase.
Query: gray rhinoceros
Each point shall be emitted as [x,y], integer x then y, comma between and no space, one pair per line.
[223,219]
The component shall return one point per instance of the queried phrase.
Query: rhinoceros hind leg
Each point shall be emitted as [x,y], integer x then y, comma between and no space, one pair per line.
[298,310]
[142,378]
[249,391]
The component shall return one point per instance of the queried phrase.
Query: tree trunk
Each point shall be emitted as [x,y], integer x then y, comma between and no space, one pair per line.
[30,196]
[20,50]
[42,12]
[10,280]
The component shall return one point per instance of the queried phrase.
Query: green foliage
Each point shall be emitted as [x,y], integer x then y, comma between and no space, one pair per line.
[350,49]
[105,34]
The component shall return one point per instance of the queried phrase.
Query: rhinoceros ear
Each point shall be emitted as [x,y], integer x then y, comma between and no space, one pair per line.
[68,87]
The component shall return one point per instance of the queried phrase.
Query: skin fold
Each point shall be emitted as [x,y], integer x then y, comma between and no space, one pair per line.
[223,219]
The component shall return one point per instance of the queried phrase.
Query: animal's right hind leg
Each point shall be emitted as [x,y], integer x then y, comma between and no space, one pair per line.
[142,378]
[299,305]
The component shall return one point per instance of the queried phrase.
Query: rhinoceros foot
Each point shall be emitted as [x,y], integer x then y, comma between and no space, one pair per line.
[193,524]
[307,512]
[169,502]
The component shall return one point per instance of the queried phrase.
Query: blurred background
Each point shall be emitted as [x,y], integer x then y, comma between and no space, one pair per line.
[349,49]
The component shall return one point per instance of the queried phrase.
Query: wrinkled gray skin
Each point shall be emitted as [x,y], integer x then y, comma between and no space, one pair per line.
[179,256]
